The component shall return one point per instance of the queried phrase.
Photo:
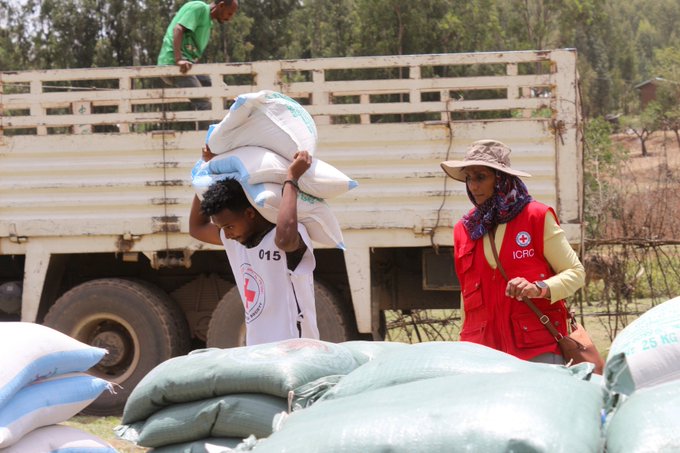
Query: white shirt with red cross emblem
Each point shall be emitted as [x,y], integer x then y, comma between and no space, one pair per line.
[278,303]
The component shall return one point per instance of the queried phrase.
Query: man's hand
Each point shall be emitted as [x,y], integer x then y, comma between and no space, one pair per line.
[184,66]
[287,236]
[301,163]
[206,154]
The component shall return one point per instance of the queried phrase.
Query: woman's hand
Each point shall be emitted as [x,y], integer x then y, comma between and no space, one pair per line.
[520,287]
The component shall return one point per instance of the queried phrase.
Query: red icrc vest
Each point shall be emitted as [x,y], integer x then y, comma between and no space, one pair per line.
[491,318]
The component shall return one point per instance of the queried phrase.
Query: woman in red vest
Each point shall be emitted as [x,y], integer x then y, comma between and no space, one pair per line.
[532,248]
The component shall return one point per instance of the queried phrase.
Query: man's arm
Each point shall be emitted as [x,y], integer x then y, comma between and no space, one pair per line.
[287,236]
[200,226]
[177,36]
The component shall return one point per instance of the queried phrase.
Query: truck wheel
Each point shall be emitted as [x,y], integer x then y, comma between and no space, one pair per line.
[134,323]
[335,325]
[227,327]
[182,338]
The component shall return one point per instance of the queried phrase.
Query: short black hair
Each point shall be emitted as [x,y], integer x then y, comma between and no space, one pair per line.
[224,194]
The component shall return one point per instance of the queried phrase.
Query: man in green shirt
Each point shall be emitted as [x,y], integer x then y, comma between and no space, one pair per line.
[186,39]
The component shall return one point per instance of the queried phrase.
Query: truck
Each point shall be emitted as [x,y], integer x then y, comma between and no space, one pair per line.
[95,191]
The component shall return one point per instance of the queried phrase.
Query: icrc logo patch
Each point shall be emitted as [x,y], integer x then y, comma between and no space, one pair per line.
[253,293]
[523,239]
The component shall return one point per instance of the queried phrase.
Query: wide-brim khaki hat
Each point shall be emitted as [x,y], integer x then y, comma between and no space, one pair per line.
[488,153]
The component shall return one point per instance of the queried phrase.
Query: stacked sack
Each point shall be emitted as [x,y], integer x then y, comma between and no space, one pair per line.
[444,397]
[642,378]
[255,143]
[42,383]
[218,397]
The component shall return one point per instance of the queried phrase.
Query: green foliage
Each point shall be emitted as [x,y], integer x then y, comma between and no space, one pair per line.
[324,28]
[620,42]
[601,161]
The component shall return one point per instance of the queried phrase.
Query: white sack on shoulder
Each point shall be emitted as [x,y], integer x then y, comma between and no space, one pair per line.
[313,212]
[268,119]
[256,165]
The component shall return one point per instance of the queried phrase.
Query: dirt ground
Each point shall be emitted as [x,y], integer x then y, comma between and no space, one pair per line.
[662,147]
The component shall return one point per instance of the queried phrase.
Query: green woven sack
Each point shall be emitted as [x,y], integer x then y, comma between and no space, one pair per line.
[237,415]
[539,411]
[365,351]
[436,359]
[647,421]
[200,446]
[271,368]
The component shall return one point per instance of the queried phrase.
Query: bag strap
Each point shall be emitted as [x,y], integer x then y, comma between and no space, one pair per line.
[541,317]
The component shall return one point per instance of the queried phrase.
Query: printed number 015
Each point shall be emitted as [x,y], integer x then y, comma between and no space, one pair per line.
[269,255]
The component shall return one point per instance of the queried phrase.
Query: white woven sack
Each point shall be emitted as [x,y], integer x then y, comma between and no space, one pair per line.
[314,213]
[32,351]
[60,438]
[268,119]
[647,352]
[254,165]
[47,402]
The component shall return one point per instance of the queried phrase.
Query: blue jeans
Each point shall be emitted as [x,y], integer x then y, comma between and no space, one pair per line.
[191,81]
[551,359]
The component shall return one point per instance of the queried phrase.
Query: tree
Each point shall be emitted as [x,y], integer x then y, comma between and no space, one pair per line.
[601,161]
[15,36]
[395,27]
[271,27]
[322,28]
[66,34]
[667,67]
[645,124]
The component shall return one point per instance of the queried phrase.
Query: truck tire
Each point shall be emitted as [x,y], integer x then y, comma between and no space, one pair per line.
[227,327]
[134,323]
[182,338]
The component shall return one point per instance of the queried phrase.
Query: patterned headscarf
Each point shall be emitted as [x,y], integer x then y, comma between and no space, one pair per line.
[509,198]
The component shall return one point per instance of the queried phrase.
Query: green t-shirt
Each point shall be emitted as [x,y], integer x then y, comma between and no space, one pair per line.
[195,18]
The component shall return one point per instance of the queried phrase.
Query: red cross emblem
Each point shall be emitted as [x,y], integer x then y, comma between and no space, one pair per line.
[523,239]
[249,293]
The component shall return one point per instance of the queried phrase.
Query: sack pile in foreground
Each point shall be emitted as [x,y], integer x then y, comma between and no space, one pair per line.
[225,393]
[43,383]
[429,397]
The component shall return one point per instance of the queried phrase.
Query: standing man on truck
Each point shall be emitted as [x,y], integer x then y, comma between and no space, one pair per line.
[273,264]
[186,38]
